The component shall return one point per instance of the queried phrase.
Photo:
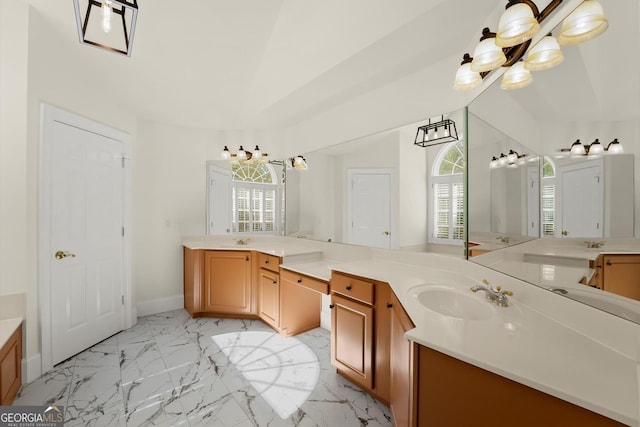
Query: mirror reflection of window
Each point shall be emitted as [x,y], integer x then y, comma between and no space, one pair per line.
[254,199]
[448,195]
[548,197]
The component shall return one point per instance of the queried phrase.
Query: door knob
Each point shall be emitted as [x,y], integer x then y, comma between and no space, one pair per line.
[386,233]
[64,254]
[565,233]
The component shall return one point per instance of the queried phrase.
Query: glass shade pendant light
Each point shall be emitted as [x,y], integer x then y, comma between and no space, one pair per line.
[466,79]
[257,154]
[502,161]
[596,148]
[544,55]
[493,164]
[615,147]
[584,23]
[577,149]
[516,77]
[226,154]
[517,24]
[241,155]
[487,56]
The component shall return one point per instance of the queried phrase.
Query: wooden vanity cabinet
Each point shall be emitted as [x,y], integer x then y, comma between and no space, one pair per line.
[300,302]
[227,283]
[454,393]
[620,275]
[403,386]
[617,273]
[11,368]
[360,332]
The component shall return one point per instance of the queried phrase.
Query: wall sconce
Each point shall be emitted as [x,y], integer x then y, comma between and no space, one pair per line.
[107,24]
[513,159]
[243,156]
[593,149]
[297,162]
[518,24]
[436,133]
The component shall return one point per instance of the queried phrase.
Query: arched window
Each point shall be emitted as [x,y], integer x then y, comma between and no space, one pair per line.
[255,201]
[447,220]
[548,197]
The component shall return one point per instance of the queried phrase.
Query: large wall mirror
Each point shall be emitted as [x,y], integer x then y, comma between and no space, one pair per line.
[550,214]
[383,191]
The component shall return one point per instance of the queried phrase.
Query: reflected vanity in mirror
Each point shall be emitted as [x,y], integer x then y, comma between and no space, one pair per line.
[378,191]
[570,220]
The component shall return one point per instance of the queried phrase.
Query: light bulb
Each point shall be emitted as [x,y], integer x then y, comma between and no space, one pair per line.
[596,147]
[226,154]
[106,16]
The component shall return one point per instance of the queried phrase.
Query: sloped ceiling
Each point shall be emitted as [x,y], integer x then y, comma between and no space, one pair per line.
[267,63]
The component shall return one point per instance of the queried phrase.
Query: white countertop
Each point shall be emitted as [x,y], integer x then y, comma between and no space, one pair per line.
[521,342]
[7,328]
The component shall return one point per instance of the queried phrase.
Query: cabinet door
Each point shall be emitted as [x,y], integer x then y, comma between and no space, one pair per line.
[382,324]
[11,368]
[299,305]
[269,301]
[402,384]
[227,282]
[352,340]
[621,273]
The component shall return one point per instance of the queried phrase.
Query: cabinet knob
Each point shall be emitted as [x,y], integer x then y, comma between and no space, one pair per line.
[266,262]
[349,287]
[331,306]
[275,282]
[609,262]
[389,305]
[299,280]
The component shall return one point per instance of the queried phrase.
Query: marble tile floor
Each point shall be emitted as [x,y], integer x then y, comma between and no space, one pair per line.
[169,370]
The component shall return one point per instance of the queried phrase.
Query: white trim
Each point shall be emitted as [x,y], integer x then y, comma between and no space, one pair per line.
[49,115]
[160,305]
[31,368]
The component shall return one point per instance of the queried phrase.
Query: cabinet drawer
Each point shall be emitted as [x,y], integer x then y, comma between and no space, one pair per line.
[306,281]
[358,289]
[269,262]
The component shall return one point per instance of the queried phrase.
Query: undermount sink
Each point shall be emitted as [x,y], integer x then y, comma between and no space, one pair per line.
[454,303]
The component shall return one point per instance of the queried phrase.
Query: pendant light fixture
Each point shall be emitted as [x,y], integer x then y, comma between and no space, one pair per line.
[440,132]
[596,148]
[107,24]
[544,55]
[518,23]
[466,78]
[487,56]
[516,77]
[584,23]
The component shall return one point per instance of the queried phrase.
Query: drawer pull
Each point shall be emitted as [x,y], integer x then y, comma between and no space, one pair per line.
[266,262]
[349,287]
[299,280]
[331,306]
[275,282]
[389,305]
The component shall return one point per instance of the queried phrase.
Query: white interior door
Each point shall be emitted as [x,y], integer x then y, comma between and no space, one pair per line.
[219,200]
[369,219]
[86,242]
[581,200]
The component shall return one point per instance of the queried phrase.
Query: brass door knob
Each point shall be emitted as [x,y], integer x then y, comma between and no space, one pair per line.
[63,254]
[565,233]
[386,233]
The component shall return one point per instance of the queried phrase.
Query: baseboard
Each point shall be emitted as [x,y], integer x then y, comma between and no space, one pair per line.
[159,305]
[31,368]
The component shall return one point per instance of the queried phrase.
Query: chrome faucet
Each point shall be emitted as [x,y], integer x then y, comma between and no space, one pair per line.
[242,242]
[503,239]
[497,295]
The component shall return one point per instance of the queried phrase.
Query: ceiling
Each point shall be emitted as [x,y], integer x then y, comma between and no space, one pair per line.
[225,64]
